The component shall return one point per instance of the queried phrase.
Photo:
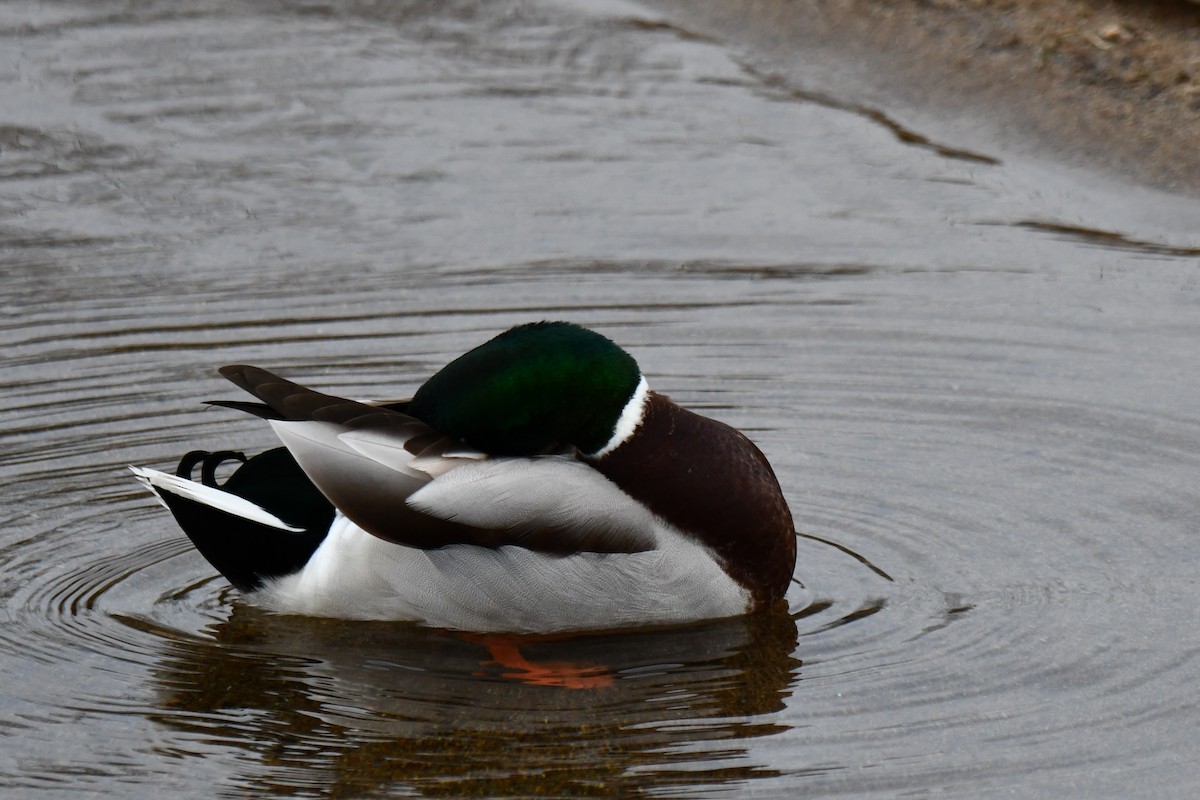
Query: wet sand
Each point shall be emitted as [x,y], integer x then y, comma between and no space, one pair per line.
[1109,85]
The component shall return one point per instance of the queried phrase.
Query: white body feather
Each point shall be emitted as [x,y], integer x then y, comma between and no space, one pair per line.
[358,576]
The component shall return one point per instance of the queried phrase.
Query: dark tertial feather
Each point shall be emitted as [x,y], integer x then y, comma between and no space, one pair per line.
[291,401]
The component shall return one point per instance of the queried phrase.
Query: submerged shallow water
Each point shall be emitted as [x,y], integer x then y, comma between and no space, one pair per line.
[976,377]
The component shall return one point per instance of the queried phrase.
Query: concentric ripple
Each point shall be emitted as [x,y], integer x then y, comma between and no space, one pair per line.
[979,394]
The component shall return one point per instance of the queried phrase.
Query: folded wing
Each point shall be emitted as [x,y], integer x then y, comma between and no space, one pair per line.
[547,503]
[369,460]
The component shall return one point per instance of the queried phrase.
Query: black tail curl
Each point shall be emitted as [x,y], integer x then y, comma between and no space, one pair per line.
[209,462]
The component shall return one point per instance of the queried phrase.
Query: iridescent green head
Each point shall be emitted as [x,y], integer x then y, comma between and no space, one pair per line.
[533,389]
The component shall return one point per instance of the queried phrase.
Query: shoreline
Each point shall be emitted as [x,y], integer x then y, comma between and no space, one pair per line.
[1108,85]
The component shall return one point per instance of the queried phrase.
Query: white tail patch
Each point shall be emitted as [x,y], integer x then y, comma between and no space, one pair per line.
[159,482]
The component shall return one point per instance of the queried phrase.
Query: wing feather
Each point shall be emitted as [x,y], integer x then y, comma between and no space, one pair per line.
[550,503]
[401,480]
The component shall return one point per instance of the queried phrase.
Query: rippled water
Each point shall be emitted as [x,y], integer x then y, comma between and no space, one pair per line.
[977,377]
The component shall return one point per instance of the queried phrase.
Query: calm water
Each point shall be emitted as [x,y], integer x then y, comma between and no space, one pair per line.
[977,377]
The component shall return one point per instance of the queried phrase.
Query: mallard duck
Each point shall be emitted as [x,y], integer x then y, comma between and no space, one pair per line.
[535,483]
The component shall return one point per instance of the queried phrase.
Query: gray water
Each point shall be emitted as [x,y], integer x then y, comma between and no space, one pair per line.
[976,375]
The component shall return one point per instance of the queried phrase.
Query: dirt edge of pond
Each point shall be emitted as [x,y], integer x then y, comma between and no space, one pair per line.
[1109,85]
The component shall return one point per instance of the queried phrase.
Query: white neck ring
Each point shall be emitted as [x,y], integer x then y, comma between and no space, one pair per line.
[631,417]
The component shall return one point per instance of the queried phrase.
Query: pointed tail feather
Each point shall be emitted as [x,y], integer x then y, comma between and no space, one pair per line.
[161,483]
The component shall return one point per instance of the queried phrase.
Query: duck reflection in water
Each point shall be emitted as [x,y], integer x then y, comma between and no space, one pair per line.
[362,708]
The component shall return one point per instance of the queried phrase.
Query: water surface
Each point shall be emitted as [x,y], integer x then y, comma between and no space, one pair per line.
[976,376]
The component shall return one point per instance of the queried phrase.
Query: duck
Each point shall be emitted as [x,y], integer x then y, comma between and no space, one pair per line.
[535,484]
